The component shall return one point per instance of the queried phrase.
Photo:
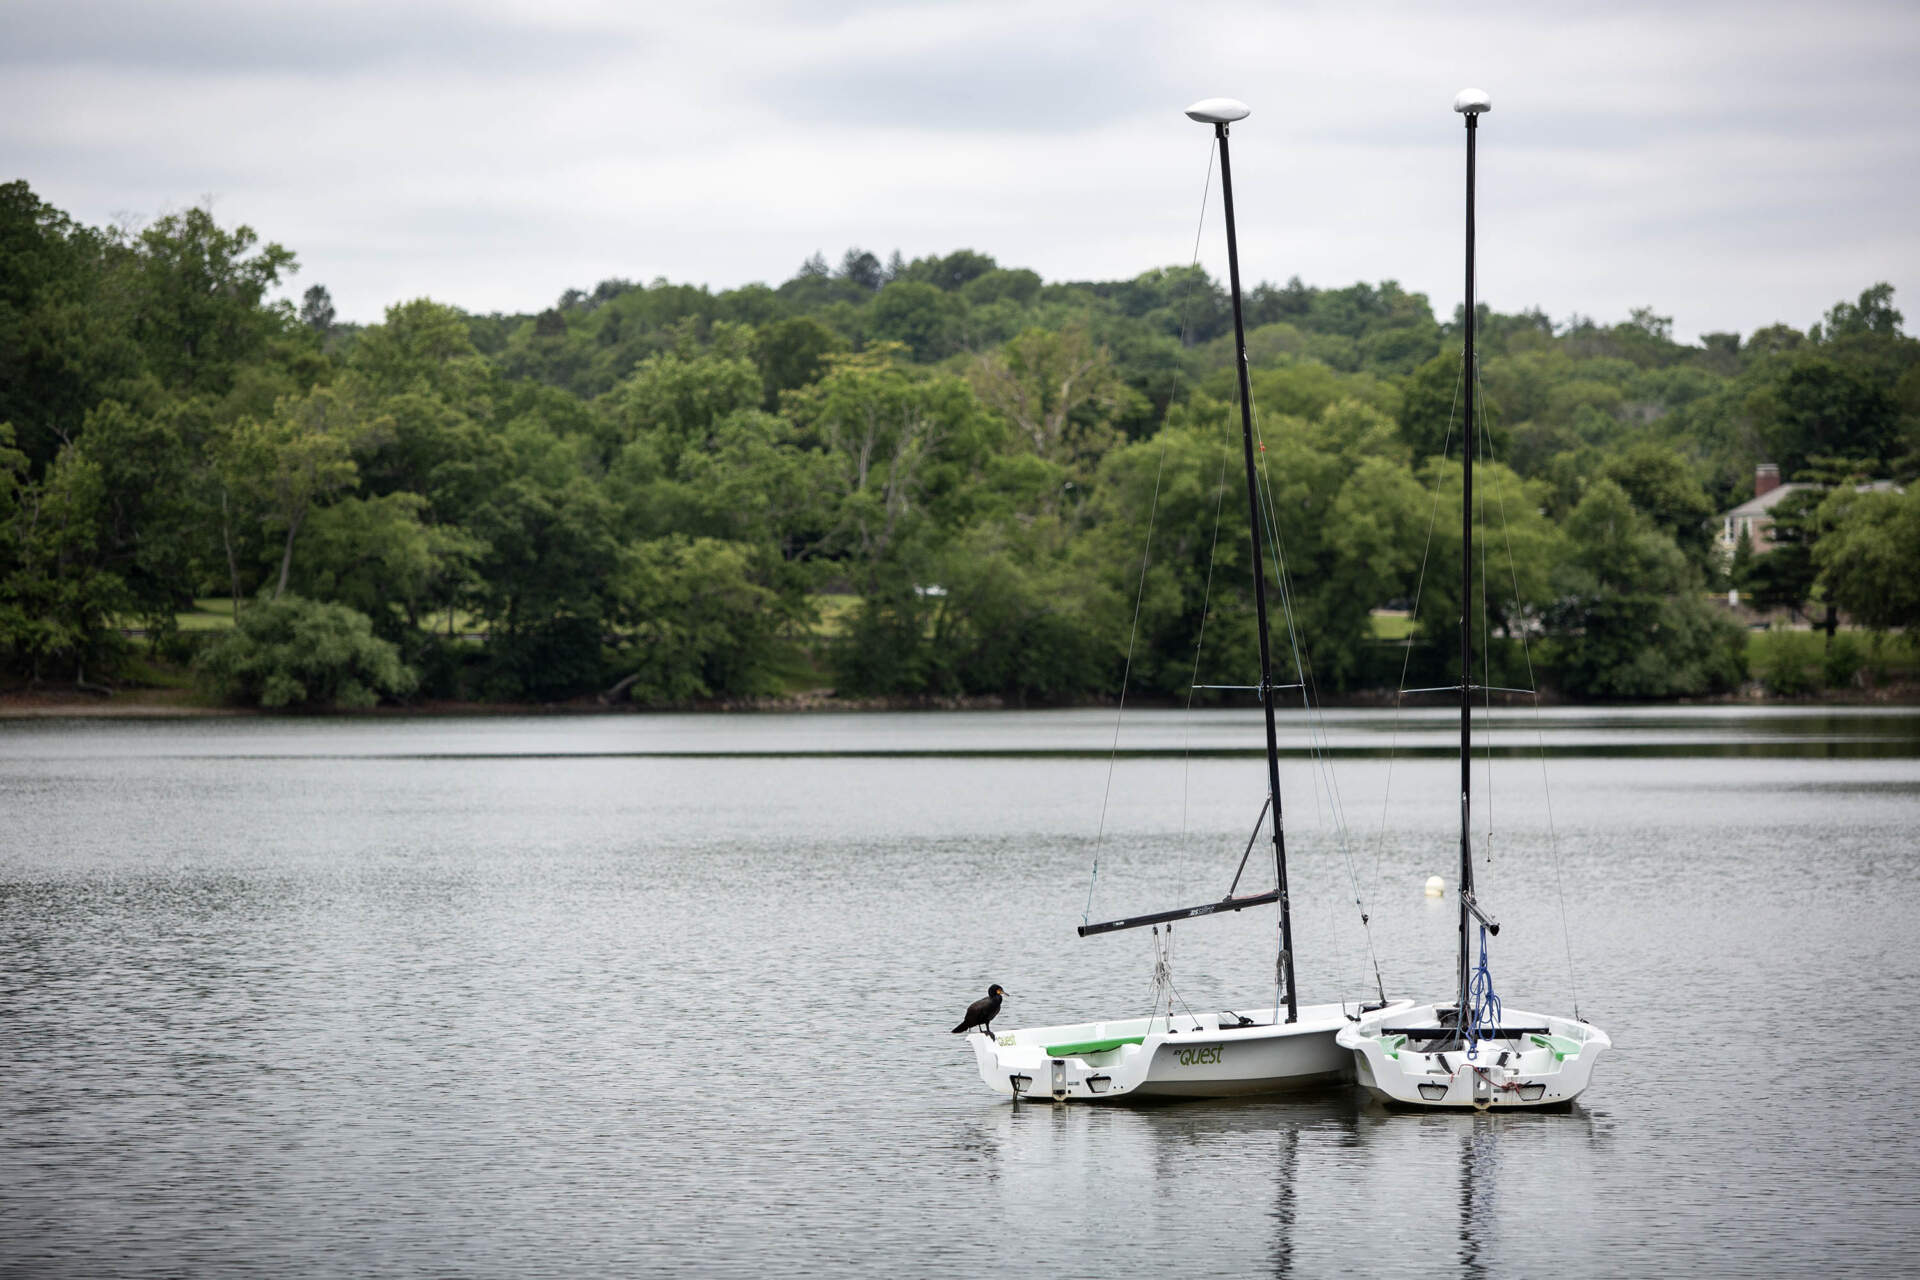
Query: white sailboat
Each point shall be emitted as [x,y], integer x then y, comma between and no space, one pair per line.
[1471,1052]
[1207,1055]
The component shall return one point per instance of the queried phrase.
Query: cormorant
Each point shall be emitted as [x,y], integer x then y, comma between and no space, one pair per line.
[981,1013]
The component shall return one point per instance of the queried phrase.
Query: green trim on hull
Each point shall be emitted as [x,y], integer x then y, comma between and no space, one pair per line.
[1080,1048]
[1563,1047]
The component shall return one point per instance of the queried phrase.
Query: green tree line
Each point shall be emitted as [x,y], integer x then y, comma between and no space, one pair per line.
[931,477]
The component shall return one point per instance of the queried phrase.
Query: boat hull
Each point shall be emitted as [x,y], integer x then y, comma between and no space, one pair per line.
[1141,1059]
[1545,1065]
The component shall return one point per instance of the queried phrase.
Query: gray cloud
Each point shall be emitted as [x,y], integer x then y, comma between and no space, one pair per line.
[1731,165]
[237,36]
[1005,83]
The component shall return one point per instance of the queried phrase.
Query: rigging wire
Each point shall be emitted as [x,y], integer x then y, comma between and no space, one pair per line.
[1162,978]
[1220,496]
[1302,668]
[1483,1005]
[1163,987]
[1482,438]
[1146,554]
[1540,738]
[1319,744]
[1413,622]
[1206,606]
[1320,748]
[1126,675]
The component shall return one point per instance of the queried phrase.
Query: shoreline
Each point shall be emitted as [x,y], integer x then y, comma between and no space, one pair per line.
[175,704]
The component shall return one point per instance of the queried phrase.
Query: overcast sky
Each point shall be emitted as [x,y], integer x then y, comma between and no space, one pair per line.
[1731,165]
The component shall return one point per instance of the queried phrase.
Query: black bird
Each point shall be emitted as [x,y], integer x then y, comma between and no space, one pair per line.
[981,1013]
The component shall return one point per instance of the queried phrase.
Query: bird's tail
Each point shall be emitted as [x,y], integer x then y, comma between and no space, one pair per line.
[962,1027]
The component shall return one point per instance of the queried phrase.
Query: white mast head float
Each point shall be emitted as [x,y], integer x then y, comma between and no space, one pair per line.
[1218,111]
[1468,102]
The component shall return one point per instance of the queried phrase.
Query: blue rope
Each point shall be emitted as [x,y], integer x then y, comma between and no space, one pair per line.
[1483,1006]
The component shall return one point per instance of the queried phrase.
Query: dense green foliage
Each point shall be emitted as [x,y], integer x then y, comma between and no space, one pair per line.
[296,653]
[645,491]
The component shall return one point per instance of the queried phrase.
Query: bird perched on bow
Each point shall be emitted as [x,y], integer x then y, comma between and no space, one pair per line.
[981,1013]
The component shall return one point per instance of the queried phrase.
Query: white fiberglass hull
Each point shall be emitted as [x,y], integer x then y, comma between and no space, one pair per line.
[1546,1063]
[1184,1057]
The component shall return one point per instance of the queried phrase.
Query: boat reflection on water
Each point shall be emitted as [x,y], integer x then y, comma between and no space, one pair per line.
[1286,1163]
[1335,1172]
[1479,1156]
[1501,1163]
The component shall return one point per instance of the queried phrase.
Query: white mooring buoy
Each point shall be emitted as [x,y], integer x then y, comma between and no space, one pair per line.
[1436,887]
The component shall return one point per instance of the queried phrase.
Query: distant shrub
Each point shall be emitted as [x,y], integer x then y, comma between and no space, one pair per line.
[1788,663]
[448,666]
[548,661]
[302,654]
[1890,656]
[1841,662]
[1620,646]
[180,646]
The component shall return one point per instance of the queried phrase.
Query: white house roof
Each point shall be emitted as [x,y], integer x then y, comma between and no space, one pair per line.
[1766,502]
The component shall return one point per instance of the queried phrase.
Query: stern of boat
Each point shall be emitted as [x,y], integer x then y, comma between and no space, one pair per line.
[1087,1061]
[1546,1061]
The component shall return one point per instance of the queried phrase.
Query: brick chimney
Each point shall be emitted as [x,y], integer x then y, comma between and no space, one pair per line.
[1766,478]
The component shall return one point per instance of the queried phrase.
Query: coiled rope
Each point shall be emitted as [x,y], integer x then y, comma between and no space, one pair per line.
[1483,1006]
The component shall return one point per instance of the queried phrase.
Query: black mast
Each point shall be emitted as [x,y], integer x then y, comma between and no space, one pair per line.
[1259,570]
[1470,103]
[1220,112]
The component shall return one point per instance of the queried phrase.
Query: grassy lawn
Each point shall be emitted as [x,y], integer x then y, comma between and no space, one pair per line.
[209,613]
[800,668]
[1391,624]
[143,672]
[215,613]
[1793,662]
[834,609]
[1787,662]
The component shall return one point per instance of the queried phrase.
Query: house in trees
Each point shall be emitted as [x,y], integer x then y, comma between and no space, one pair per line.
[1755,516]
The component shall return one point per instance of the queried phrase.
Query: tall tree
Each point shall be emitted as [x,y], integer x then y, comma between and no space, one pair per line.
[1630,621]
[201,310]
[1663,486]
[65,338]
[1814,405]
[1867,559]
[61,598]
[897,443]
[316,310]
[1060,391]
[288,464]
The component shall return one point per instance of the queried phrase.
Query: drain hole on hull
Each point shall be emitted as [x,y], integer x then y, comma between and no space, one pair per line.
[1433,1092]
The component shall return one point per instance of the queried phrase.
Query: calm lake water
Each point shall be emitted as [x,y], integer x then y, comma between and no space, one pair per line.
[648,994]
